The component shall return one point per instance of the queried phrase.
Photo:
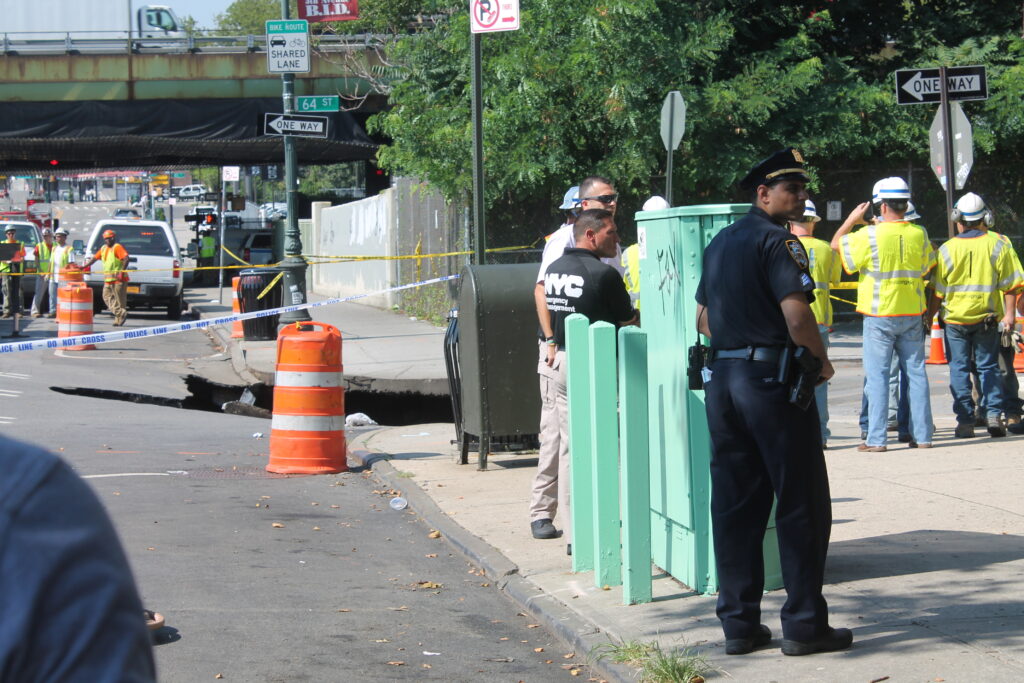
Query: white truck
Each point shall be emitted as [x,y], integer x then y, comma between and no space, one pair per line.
[86,20]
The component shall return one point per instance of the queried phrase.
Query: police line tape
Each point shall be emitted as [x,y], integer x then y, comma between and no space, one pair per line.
[160,330]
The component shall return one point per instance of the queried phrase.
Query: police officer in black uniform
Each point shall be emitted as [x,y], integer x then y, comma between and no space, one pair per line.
[753,302]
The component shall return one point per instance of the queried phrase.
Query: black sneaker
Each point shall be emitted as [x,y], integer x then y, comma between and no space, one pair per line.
[996,428]
[543,528]
[964,430]
[741,646]
[832,640]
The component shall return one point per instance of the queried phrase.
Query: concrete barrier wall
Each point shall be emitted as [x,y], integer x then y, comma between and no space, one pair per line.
[360,228]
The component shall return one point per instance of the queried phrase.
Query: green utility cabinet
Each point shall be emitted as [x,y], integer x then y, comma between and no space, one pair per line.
[671,244]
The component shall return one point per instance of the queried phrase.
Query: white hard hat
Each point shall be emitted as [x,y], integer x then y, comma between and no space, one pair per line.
[971,207]
[810,212]
[60,231]
[911,214]
[655,203]
[890,188]
[571,200]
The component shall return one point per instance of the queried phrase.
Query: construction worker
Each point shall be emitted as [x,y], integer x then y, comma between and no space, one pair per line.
[977,279]
[60,258]
[115,275]
[825,271]
[10,274]
[207,252]
[43,251]
[631,255]
[894,257]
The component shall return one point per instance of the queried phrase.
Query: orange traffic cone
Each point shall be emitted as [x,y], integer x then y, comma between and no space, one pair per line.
[938,351]
[1018,358]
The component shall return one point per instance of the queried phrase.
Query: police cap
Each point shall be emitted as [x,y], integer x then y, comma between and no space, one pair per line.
[786,164]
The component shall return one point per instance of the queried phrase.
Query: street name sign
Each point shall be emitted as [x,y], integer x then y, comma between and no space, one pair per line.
[487,16]
[963,146]
[920,86]
[318,103]
[293,124]
[288,46]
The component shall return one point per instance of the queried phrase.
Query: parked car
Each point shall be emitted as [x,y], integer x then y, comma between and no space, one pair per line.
[28,234]
[126,213]
[258,248]
[192,192]
[153,251]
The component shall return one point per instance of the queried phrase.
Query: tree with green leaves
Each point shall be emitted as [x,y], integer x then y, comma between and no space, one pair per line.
[578,90]
[249,17]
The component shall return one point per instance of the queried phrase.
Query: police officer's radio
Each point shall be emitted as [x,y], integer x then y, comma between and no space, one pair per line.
[696,361]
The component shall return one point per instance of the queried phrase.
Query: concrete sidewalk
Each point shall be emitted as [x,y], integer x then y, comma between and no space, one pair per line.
[926,562]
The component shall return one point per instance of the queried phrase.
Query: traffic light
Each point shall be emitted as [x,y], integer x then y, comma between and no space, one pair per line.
[54,162]
[377,179]
[210,219]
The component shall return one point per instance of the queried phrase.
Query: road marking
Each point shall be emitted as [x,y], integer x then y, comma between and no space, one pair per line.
[15,375]
[9,393]
[105,451]
[7,420]
[62,354]
[127,474]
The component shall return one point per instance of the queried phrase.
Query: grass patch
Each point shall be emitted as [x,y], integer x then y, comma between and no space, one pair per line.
[656,665]
[404,475]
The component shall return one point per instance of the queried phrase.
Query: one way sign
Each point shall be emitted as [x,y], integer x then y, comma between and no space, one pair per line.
[918,86]
[294,124]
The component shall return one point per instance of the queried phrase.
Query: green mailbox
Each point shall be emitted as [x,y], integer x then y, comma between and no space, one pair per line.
[497,354]
[672,242]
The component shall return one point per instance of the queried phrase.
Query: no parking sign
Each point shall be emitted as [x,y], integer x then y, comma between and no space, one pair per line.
[486,16]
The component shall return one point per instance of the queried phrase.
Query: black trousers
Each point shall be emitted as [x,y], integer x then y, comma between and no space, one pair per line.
[764,445]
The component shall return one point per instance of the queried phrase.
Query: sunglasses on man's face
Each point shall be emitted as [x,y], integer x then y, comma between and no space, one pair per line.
[604,198]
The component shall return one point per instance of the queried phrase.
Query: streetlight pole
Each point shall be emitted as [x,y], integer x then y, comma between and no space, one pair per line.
[293,284]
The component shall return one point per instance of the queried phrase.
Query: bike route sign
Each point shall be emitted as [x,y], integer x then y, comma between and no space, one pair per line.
[288,46]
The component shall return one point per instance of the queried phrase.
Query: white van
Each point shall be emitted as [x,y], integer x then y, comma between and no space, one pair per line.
[192,192]
[153,251]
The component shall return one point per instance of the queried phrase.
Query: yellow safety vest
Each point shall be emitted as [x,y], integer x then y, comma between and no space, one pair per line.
[207,246]
[111,265]
[631,276]
[5,266]
[43,262]
[893,258]
[825,271]
[972,274]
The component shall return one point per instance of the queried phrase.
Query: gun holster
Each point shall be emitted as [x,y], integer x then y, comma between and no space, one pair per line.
[799,372]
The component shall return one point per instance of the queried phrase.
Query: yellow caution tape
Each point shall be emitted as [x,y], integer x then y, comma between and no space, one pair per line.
[270,286]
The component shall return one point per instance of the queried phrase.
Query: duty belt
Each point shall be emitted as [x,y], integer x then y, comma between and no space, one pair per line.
[767,354]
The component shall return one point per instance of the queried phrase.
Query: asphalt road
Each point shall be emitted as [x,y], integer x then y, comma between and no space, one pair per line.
[260,578]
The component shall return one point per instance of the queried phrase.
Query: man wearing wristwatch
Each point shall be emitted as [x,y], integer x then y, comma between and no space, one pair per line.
[577,282]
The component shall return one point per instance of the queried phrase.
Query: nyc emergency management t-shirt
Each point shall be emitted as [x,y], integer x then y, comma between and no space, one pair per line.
[579,283]
[749,268]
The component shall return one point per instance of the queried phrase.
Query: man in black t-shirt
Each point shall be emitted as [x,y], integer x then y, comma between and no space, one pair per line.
[577,282]
[753,302]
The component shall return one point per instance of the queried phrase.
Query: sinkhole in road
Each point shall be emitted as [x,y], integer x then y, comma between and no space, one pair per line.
[257,400]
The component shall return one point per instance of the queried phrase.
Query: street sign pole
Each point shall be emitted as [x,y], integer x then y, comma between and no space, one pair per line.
[947,148]
[668,172]
[293,284]
[476,77]
[673,123]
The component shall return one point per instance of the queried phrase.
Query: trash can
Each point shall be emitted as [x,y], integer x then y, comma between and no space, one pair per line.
[251,283]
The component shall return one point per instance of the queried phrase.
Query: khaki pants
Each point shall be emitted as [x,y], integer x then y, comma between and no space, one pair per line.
[115,296]
[550,493]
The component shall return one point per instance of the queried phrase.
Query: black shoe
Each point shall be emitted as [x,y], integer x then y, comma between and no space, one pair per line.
[741,646]
[832,640]
[543,528]
[906,438]
[964,430]
[996,428]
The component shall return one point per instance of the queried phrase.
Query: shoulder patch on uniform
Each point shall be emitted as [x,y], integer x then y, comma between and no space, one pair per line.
[796,250]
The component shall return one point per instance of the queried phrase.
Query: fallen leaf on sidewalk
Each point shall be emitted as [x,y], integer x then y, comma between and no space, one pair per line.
[219,676]
[533,626]
[344,610]
[569,656]
[431,556]
[316,528]
[382,640]
[879,680]
[335,507]
[498,659]
[434,534]
[429,584]
[396,663]
[403,608]
[538,649]
[277,525]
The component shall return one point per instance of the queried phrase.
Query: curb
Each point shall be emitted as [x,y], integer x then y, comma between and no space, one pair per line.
[223,335]
[572,628]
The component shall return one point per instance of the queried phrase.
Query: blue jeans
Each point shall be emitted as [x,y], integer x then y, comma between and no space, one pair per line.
[980,344]
[899,403]
[821,392]
[904,337]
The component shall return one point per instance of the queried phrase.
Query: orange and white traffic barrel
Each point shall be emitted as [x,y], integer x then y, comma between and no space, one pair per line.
[74,313]
[236,307]
[307,432]
[71,274]
[937,354]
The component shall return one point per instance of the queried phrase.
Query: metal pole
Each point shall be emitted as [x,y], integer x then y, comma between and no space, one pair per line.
[220,272]
[671,136]
[480,232]
[947,148]
[293,284]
